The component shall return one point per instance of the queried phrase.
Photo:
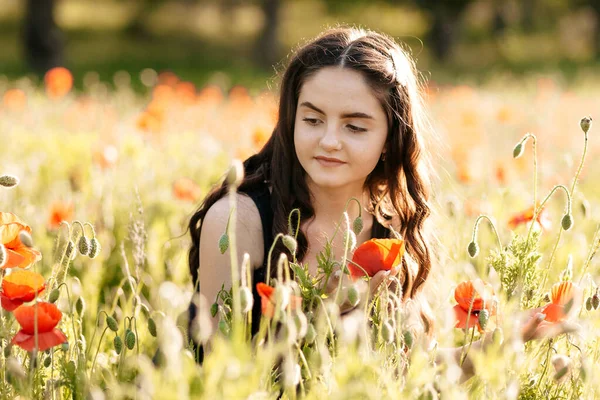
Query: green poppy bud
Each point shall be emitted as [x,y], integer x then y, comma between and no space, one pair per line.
[65,346]
[567,222]
[214,309]
[353,297]
[53,296]
[47,361]
[387,332]
[246,299]
[118,344]
[80,306]
[70,252]
[129,339]
[562,372]
[484,316]
[588,304]
[311,334]
[518,150]
[498,336]
[301,324]
[9,181]
[112,323]
[357,225]
[223,243]
[94,248]
[152,327]
[7,350]
[595,301]
[408,339]
[290,243]
[224,327]
[586,124]
[84,246]
[473,249]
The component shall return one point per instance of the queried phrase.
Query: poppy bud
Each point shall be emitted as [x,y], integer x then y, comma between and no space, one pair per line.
[483,317]
[547,297]
[408,339]
[498,336]
[586,124]
[47,361]
[7,350]
[118,344]
[129,339]
[53,296]
[236,173]
[80,306]
[112,323]
[282,296]
[357,225]
[290,243]
[311,334]
[65,346]
[224,327]
[94,248]
[223,243]
[588,304]
[387,332]
[561,364]
[518,150]
[595,301]
[567,222]
[585,208]
[214,309]
[352,296]
[3,255]
[25,238]
[9,181]
[301,324]
[473,249]
[70,252]
[152,327]
[83,246]
[246,299]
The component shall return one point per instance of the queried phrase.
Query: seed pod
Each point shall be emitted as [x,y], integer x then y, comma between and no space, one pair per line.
[595,301]
[246,299]
[214,309]
[94,248]
[585,123]
[311,333]
[112,323]
[3,255]
[387,332]
[408,339]
[290,243]
[80,306]
[567,222]
[518,150]
[84,246]
[47,361]
[483,317]
[357,225]
[223,243]
[152,327]
[473,249]
[118,344]
[353,297]
[25,238]
[9,181]
[588,304]
[53,296]
[129,339]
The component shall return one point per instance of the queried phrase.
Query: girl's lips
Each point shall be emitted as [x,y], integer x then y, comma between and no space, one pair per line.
[329,162]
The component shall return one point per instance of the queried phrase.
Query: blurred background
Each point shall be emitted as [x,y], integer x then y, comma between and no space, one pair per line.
[230,42]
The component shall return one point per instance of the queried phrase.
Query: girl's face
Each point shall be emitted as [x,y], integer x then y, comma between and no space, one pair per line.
[340,128]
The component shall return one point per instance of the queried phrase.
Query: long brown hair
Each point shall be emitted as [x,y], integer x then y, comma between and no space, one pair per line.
[398,186]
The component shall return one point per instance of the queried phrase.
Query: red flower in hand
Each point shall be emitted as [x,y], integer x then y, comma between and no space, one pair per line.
[562,293]
[268,301]
[48,336]
[473,297]
[376,255]
[20,287]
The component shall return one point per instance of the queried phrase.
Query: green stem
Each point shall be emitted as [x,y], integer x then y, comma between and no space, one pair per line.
[345,210]
[343,267]
[476,229]
[268,278]
[593,249]
[97,350]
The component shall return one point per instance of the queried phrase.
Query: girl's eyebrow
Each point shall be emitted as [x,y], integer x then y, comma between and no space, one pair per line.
[346,115]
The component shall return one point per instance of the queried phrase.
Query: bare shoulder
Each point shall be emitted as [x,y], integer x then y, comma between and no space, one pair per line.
[248,232]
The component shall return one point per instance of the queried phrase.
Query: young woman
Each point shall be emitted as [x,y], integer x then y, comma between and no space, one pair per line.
[350,125]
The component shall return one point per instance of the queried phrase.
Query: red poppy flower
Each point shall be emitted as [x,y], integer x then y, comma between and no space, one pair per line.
[60,211]
[58,81]
[186,189]
[376,255]
[268,302]
[561,294]
[526,216]
[20,287]
[474,297]
[48,336]
[19,255]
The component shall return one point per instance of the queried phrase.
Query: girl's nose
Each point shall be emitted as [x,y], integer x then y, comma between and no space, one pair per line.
[330,140]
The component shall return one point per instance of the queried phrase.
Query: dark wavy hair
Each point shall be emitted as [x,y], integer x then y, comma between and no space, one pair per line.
[398,187]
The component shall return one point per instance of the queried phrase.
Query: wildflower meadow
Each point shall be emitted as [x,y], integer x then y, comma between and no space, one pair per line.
[97,185]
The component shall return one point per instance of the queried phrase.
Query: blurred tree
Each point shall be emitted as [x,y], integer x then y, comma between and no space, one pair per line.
[43,42]
[267,46]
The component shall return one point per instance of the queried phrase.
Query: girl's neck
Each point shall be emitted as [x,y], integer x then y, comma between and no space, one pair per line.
[329,204]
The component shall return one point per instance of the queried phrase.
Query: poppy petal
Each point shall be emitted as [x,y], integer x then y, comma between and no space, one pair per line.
[21,257]
[8,304]
[563,292]
[23,285]
[554,312]
[46,340]
[48,316]
[463,319]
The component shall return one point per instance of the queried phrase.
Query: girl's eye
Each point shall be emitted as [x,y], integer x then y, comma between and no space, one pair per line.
[356,129]
[311,121]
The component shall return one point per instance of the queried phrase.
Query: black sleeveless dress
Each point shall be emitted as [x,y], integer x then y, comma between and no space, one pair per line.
[262,198]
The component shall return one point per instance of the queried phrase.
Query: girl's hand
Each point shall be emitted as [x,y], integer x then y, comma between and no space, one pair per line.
[537,327]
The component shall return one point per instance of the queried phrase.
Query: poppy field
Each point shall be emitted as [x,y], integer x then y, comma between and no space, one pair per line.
[97,186]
